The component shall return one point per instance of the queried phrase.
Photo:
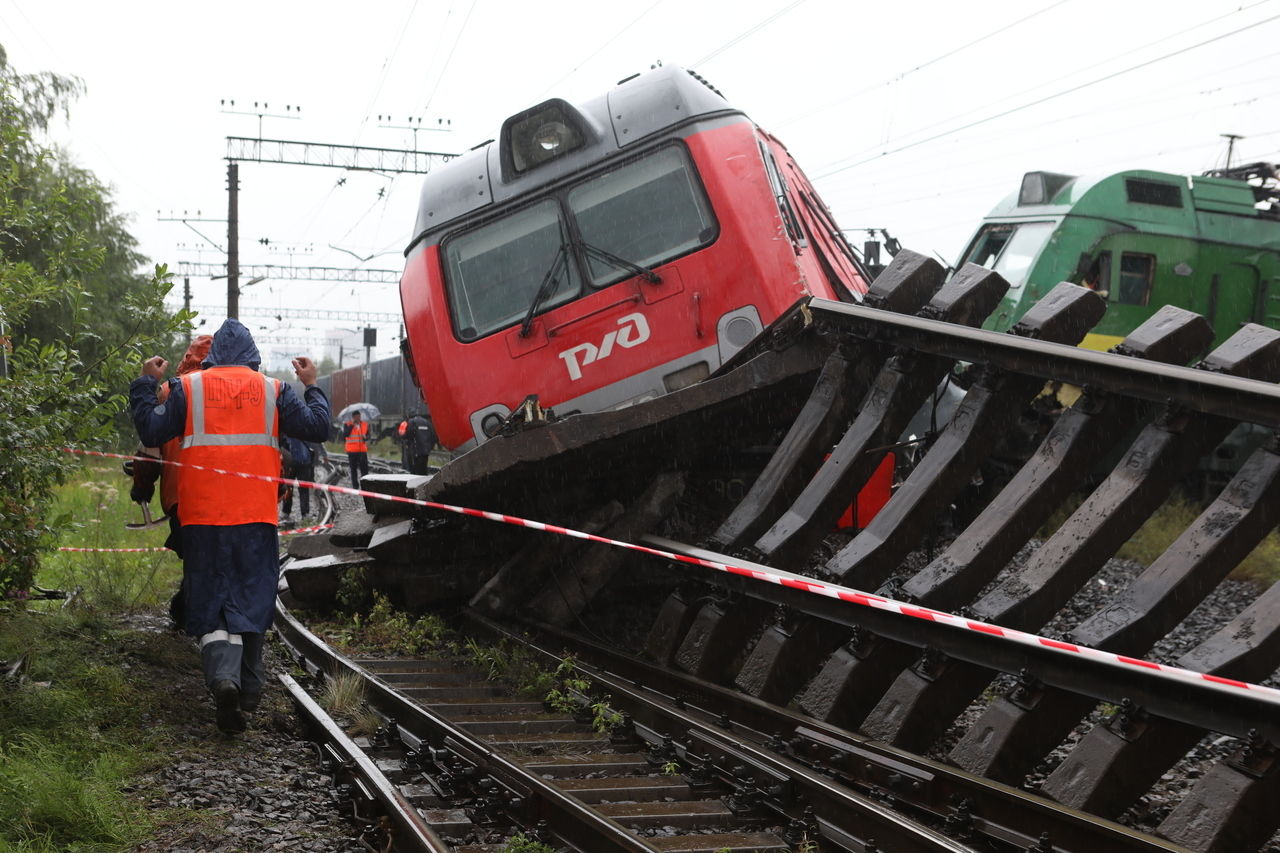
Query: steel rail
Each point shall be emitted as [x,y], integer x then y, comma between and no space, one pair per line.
[1199,390]
[1203,704]
[566,817]
[999,811]
[410,831]
[847,812]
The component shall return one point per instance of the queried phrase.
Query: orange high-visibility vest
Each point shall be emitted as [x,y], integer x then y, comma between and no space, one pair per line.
[232,425]
[356,440]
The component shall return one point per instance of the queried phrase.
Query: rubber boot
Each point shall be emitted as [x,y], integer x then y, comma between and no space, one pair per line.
[252,672]
[220,657]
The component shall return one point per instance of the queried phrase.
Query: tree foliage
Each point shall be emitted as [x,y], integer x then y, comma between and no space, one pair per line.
[75,316]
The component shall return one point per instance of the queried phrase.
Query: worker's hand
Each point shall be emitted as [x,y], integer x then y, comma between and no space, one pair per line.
[306,370]
[154,366]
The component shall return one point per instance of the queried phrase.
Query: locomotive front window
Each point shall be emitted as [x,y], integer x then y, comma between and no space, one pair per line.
[646,212]
[494,272]
[1010,249]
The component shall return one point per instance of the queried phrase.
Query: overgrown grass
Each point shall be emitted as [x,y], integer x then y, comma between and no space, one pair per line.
[1161,530]
[521,843]
[71,737]
[343,694]
[93,509]
[371,625]
[74,731]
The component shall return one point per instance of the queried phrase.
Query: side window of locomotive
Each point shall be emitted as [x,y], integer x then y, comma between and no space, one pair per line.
[647,212]
[1098,274]
[1136,272]
[779,188]
[493,272]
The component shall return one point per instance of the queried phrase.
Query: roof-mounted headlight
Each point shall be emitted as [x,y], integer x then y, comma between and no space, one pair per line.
[542,134]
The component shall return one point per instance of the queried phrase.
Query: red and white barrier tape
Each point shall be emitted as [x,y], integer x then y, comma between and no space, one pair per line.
[774,576]
[297,530]
[114,550]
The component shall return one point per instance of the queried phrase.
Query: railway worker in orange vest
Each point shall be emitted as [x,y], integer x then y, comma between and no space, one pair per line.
[230,417]
[356,432]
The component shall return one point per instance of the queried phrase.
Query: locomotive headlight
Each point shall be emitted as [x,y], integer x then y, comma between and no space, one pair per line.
[540,135]
[551,136]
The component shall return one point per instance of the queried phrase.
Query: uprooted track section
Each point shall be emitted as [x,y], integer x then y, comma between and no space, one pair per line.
[826,392]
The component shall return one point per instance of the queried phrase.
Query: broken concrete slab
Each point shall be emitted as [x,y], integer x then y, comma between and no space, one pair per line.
[314,582]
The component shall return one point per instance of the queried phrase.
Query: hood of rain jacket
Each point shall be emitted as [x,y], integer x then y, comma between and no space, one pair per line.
[233,345]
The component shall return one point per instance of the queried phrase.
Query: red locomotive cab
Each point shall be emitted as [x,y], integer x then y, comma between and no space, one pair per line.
[605,255]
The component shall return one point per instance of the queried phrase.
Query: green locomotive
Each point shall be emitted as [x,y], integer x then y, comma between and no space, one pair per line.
[1208,243]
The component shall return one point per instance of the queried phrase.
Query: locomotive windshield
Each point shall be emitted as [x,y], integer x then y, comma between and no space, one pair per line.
[1009,248]
[637,216]
[495,271]
[647,212]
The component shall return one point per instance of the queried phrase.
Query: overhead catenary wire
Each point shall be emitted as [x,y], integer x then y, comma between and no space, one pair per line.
[749,31]
[386,68]
[601,48]
[935,60]
[981,151]
[1060,93]
[449,58]
[1122,55]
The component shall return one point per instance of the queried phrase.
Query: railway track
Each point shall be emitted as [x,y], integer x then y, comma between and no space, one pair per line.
[819,684]
[684,766]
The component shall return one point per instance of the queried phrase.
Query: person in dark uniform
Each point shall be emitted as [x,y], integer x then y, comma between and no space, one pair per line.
[421,438]
[304,455]
[229,417]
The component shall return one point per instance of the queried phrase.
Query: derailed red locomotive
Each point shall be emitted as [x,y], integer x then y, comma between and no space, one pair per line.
[601,255]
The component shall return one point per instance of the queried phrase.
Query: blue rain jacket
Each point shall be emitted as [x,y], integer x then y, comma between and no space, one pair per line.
[230,571]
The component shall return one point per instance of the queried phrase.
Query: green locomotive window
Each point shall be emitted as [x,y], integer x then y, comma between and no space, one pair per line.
[646,212]
[1010,249]
[1134,286]
[990,242]
[494,271]
[1153,192]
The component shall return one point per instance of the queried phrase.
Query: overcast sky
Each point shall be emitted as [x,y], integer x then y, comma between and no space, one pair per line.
[916,116]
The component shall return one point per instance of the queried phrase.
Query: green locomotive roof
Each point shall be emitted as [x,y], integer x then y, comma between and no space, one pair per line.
[1150,201]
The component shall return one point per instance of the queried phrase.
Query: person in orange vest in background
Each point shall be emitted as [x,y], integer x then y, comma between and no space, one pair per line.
[406,446]
[145,474]
[230,417]
[356,432]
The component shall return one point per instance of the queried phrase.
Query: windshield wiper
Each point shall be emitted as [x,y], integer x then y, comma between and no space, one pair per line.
[545,289]
[621,263]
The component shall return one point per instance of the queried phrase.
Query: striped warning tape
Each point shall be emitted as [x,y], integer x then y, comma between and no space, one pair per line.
[774,576]
[114,550]
[296,531]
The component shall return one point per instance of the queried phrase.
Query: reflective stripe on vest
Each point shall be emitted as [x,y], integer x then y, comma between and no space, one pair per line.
[232,425]
[199,437]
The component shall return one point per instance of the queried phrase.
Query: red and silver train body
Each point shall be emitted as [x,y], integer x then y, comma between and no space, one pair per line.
[603,254]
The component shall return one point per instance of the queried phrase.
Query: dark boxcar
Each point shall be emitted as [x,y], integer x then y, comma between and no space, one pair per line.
[348,388]
[388,385]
